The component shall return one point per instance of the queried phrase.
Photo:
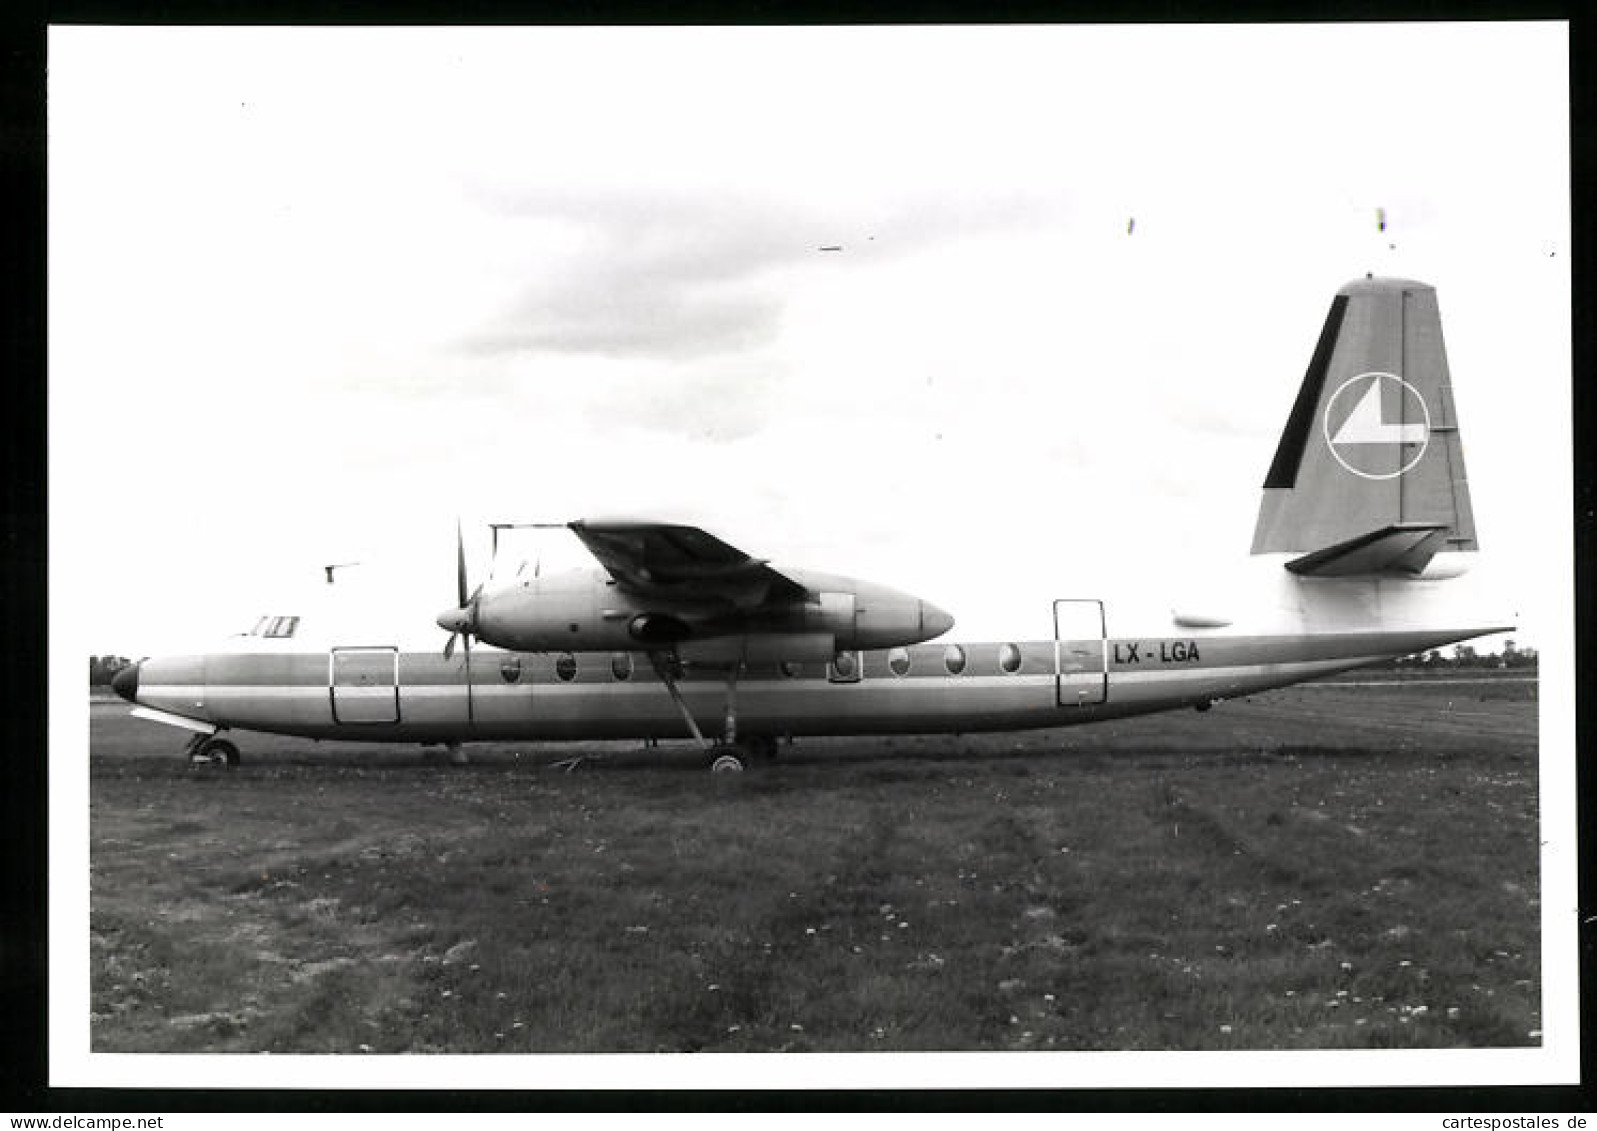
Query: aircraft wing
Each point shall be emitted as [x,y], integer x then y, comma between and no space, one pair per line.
[668,560]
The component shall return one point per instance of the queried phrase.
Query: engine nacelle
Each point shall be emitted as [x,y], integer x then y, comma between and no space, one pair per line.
[834,613]
[863,614]
[574,611]
[585,611]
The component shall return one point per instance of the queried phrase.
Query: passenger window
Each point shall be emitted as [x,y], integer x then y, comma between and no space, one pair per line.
[790,668]
[954,659]
[510,669]
[898,661]
[621,665]
[844,665]
[566,667]
[1009,658]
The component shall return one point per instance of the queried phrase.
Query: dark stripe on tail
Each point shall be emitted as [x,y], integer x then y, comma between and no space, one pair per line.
[1288,457]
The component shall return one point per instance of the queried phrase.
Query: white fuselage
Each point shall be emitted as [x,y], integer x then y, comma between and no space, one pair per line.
[1071,661]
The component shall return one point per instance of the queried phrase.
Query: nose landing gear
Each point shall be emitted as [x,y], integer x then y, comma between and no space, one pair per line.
[209,750]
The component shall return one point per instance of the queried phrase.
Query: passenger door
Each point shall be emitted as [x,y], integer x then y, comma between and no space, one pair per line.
[1081,653]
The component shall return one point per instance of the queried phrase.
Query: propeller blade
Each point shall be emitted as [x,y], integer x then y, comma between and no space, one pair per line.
[460,621]
[471,616]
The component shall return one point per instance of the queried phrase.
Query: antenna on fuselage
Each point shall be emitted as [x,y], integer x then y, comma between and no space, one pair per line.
[331,567]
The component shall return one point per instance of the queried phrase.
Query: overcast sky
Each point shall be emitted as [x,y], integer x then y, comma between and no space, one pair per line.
[315,293]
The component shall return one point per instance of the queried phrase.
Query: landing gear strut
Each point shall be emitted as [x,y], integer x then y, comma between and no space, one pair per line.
[668,668]
[208,750]
[729,754]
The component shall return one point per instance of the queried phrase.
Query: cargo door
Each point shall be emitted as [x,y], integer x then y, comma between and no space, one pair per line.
[1081,653]
[364,683]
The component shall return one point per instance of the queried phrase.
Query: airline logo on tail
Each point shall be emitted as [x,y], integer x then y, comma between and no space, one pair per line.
[1360,431]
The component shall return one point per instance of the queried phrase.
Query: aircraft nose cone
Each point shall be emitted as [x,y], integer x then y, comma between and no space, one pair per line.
[126,682]
[933,620]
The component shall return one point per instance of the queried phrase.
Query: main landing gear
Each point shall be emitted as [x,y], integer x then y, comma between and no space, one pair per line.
[729,754]
[209,750]
[730,758]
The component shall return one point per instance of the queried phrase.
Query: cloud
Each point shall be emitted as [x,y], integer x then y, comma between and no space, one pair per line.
[644,313]
[682,273]
[625,274]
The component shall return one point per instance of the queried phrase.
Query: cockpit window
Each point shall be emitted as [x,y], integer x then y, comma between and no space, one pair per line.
[278,627]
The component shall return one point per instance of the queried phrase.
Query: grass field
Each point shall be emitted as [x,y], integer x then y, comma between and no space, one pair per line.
[1321,867]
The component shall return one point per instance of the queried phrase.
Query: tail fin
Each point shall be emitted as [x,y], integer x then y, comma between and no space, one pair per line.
[1369,476]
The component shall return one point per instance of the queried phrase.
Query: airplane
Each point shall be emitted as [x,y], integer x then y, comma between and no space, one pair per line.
[1364,521]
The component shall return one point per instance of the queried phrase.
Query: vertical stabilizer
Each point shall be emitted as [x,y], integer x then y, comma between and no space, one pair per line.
[1369,474]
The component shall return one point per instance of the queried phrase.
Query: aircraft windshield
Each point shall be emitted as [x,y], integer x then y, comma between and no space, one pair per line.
[276,627]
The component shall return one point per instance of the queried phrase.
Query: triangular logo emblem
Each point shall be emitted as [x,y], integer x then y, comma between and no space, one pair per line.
[1364,441]
[1364,425]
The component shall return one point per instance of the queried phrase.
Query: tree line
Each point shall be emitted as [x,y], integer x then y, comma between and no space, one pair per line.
[103,668]
[1466,657]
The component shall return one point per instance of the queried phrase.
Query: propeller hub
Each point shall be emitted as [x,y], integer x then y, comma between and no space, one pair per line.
[456,620]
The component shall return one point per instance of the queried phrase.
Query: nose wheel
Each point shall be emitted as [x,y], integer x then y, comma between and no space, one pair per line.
[207,750]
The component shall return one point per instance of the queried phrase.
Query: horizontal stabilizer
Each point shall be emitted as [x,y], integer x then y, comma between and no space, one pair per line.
[1400,550]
